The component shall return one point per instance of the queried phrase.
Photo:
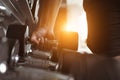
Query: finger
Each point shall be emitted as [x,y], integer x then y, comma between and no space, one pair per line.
[42,40]
[41,43]
[35,40]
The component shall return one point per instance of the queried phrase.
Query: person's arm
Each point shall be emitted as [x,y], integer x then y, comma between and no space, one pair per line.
[47,14]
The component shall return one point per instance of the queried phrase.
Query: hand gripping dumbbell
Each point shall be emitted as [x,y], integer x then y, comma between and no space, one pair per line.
[40,57]
[54,49]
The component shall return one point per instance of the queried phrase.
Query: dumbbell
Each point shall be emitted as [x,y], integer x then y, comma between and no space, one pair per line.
[43,51]
[68,40]
[4,49]
[54,55]
[18,45]
[52,48]
[13,53]
[9,54]
[18,32]
[16,35]
[39,63]
[41,58]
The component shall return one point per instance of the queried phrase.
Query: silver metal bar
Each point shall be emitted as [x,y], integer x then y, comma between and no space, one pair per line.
[9,5]
[24,8]
[21,10]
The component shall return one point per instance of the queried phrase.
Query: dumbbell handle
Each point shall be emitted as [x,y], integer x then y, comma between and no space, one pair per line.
[40,63]
[47,45]
[41,54]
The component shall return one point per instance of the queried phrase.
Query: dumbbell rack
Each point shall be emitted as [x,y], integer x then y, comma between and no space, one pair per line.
[39,64]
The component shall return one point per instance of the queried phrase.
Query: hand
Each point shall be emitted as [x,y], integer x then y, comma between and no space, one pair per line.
[41,34]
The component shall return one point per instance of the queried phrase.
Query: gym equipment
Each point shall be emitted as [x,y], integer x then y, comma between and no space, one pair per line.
[14,57]
[3,54]
[20,25]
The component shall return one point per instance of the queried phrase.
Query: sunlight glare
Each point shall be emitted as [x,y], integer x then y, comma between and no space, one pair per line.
[78,25]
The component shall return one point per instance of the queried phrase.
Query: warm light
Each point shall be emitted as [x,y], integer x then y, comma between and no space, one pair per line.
[70,27]
[78,23]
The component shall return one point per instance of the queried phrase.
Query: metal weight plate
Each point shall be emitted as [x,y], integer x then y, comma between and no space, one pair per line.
[68,40]
[14,55]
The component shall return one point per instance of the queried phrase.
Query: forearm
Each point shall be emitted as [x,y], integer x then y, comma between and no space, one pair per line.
[48,13]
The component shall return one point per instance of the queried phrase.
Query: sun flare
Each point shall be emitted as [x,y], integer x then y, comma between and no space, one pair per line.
[78,23]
